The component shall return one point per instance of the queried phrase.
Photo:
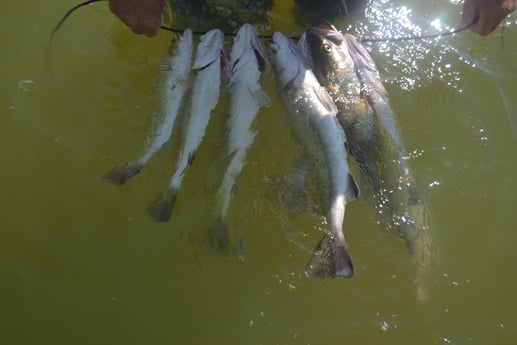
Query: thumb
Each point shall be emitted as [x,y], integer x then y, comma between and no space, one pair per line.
[470,14]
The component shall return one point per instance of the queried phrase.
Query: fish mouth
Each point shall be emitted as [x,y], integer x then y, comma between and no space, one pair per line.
[247,40]
[261,60]
[274,44]
[273,47]
[331,34]
[219,58]
[280,41]
[325,24]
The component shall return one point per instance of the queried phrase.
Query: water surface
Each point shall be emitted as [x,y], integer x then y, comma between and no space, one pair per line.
[82,262]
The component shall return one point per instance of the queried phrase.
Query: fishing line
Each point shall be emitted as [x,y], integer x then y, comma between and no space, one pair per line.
[411,38]
[263,36]
[60,23]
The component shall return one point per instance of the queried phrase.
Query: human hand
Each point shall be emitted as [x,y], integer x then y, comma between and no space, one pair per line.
[484,16]
[142,16]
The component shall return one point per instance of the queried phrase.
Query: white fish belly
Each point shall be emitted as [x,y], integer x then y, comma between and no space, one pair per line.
[205,95]
[244,107]
[173,94]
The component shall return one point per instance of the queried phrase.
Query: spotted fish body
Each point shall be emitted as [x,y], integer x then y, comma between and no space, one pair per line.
[312,116]
[208,66]
[247,63]
[348,72]
[173,92]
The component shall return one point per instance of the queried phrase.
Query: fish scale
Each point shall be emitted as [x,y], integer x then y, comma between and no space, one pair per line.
[247,62]
[348,71]
[205,95]
[173,92]
[312,116]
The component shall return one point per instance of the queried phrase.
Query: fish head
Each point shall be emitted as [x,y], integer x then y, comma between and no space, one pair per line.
[327,52]
[285,57]
[210,49]
[247,45]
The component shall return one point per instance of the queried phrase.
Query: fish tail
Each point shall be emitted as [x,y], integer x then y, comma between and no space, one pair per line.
[161,209]
[120,174]
[419,239]
[219,239]
[330,259]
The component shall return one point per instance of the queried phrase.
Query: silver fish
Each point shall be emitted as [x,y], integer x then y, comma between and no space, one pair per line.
[312,115]
[208,65]
[349,73]
[247,63]
[174,89]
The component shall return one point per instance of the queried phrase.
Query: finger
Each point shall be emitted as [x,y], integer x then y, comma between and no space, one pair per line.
[468,23]
[509,5]
[469,15]
[144,26]
[152,31]
[486,24]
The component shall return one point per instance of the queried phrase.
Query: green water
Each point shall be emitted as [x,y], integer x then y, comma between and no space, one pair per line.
[81,261]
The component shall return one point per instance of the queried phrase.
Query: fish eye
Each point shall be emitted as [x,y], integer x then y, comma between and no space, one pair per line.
[326,47]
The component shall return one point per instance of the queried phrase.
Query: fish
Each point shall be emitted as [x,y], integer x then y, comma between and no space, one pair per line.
[209,66]
[173,92]
[346,69]
[312,117]
[247,64]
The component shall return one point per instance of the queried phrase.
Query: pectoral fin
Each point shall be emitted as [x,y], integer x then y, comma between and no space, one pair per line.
[325,99]
[191,157]
[352,192]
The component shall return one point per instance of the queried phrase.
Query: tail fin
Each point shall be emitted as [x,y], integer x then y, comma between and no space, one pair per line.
[330,259]
[119,175]
[161,209]
[220,240]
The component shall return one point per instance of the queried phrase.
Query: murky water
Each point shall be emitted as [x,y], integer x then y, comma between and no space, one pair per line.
[81,261]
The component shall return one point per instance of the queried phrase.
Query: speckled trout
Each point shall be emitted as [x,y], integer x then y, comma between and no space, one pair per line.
[348,72]
[208,65]
[172,94]
[247,63]
[312,115]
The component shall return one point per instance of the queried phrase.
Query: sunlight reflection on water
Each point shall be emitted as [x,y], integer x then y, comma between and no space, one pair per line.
[411,63]
[81,260]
